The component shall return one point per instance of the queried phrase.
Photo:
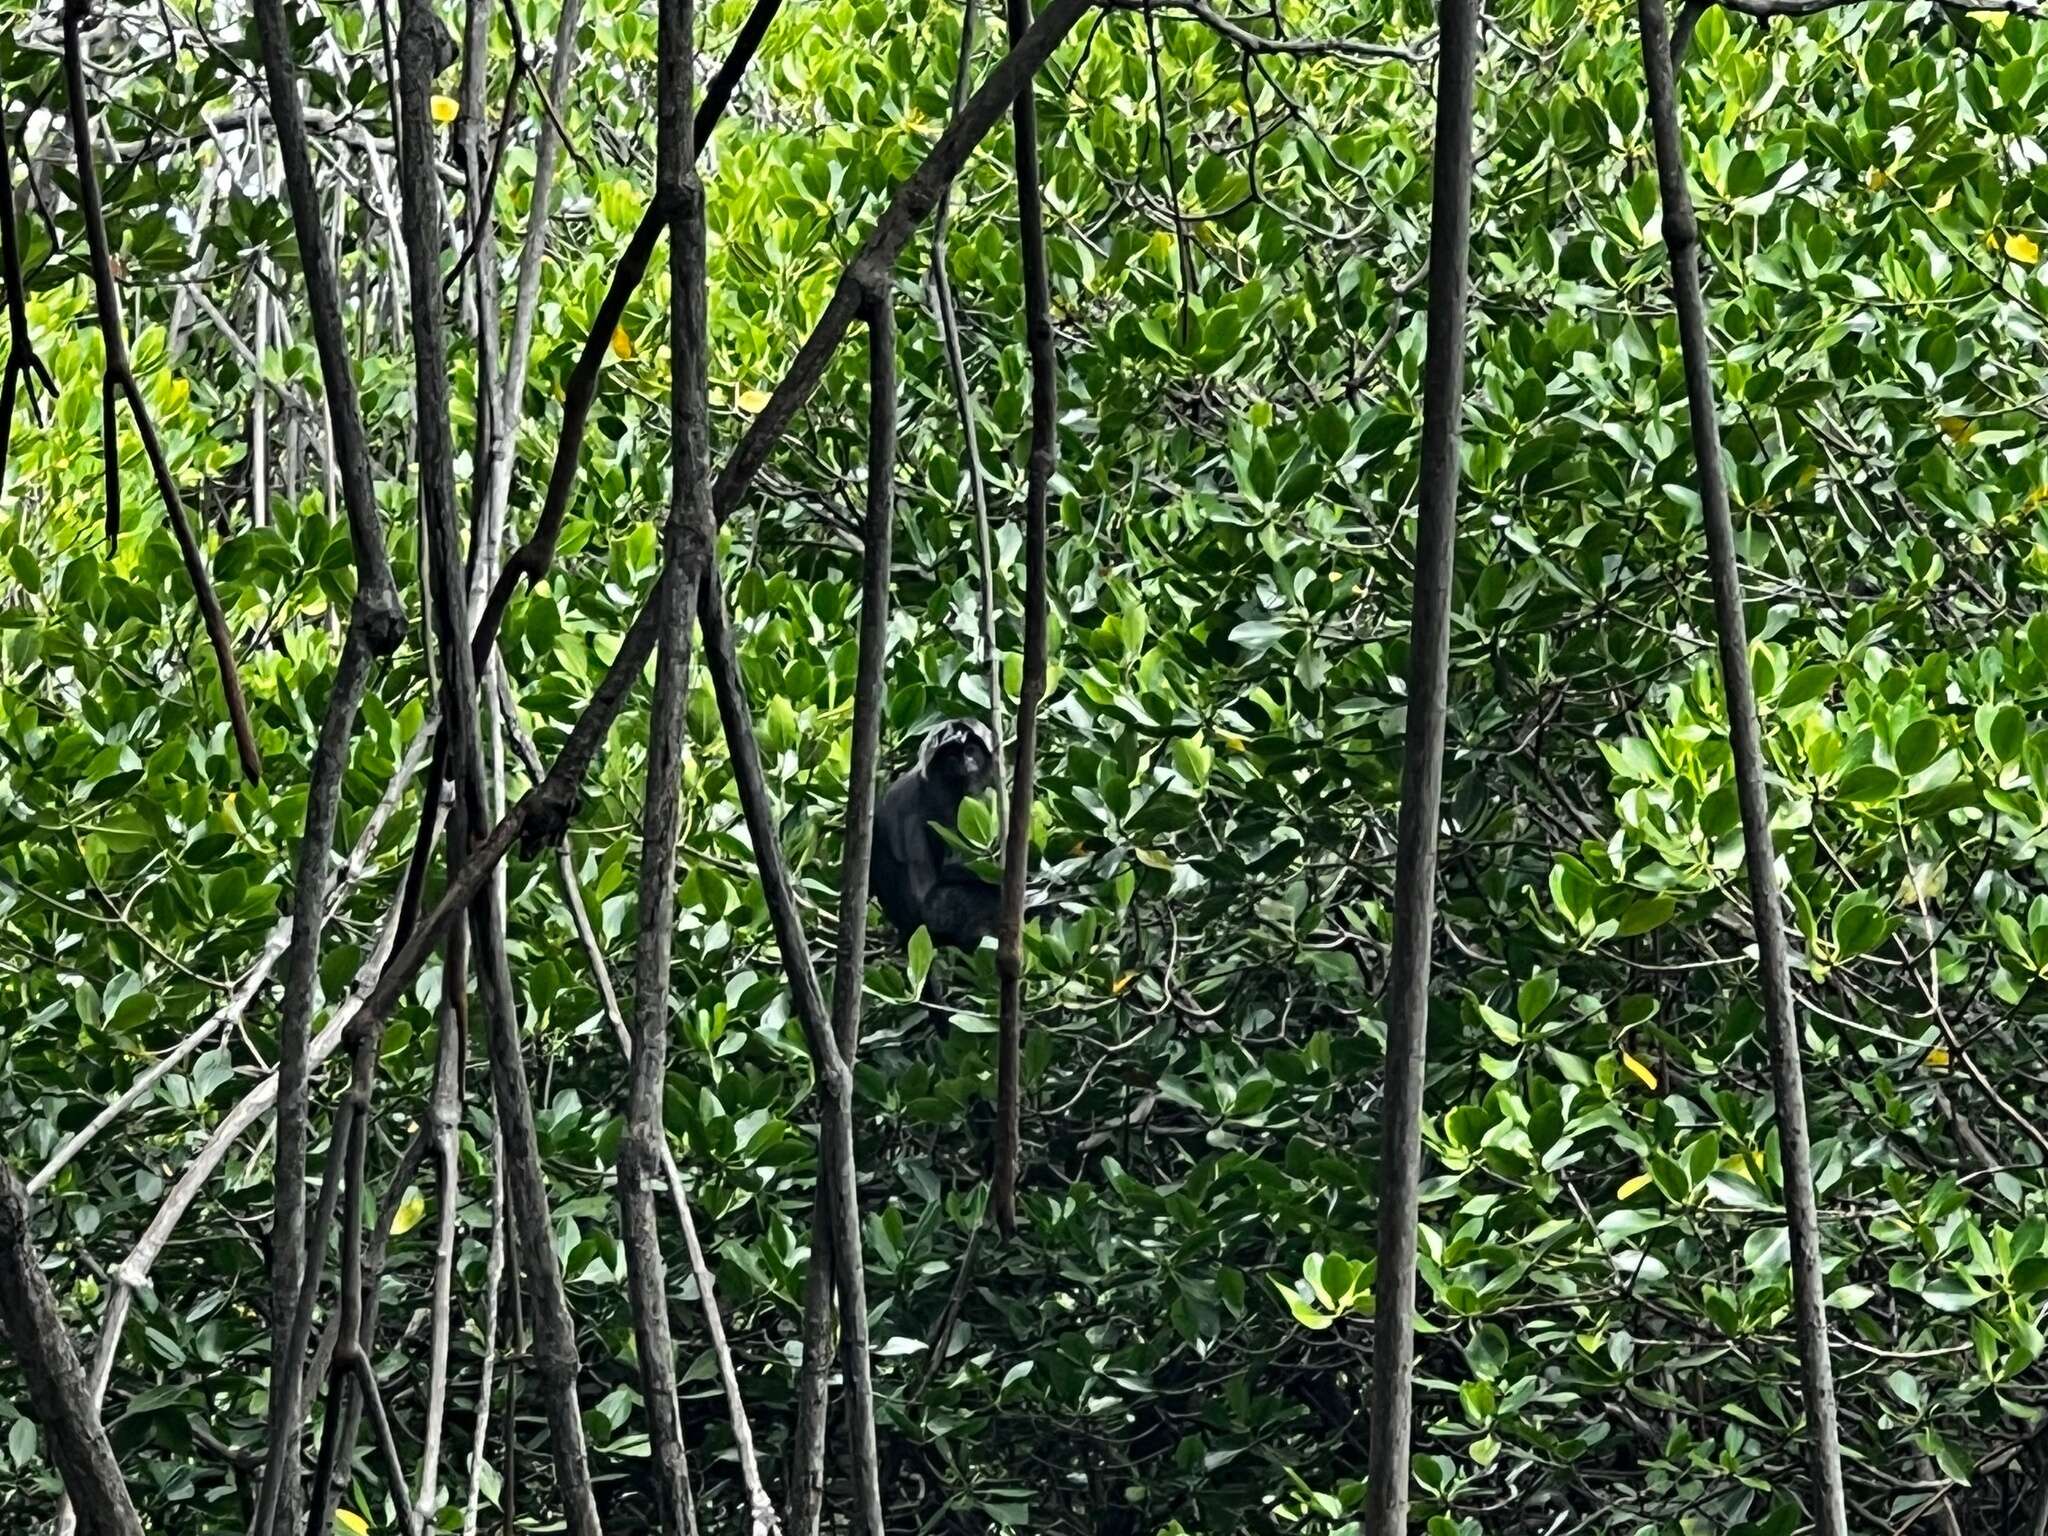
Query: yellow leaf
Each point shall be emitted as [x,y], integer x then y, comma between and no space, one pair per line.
[1235,743]
[1648,1078]
[1959,429]
[348,1519]
[2022,248]
[1937,1056]
[1116,987]
[1875,178]
[622,344]
[446,109]
[1635,1186]
[753,401]
[409,1212]
[1948,195]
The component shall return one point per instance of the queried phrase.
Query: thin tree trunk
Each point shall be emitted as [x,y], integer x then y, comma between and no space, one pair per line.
[1045,445]
[494,1275]
[835,1075]
[444,1120]
[1774,966]
[558,1361]
[376,626]
[58,1393]
[1422,770]
[762,1509]
[805,1491]
[870,697]
[689,538]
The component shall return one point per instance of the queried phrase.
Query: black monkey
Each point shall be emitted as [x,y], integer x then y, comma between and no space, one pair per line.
[920,879]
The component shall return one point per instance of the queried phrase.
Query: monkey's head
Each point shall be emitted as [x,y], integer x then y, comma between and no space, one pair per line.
[959,757]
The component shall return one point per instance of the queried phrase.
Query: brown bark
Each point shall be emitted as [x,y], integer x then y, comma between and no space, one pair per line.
[58,1394]
[689,538]
[870,697]
[1422,771]
[1767,911]
[376,626]
[1038,341]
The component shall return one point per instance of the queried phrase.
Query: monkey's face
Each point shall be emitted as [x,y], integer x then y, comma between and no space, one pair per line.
[959,759]
[964,765]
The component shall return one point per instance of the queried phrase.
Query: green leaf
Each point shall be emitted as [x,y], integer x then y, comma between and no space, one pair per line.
[1860,924]
[1870,784]
[1645,914]
[920,956]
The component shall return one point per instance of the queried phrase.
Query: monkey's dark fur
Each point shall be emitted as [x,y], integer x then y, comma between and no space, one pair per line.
[919,878]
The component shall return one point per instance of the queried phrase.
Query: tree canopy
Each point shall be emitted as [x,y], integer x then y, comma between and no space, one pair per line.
[1236,217]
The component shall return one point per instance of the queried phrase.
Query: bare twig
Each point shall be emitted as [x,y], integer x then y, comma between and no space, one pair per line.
[23,366]
[1252,42]
[120,379]
[970,436]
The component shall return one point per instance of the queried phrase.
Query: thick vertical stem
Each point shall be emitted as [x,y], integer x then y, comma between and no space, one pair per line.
[445,1123]
[805,1493]
[555,1335]
[278,1499]
[1422,773]
[835,1074]
[1774,968]
[376,626]
[1037,492]
[688,538]
[869,701]
[494,1274]
[58,1392]
[870,697]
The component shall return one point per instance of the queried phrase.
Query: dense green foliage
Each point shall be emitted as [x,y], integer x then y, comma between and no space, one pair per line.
[1179,1338]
